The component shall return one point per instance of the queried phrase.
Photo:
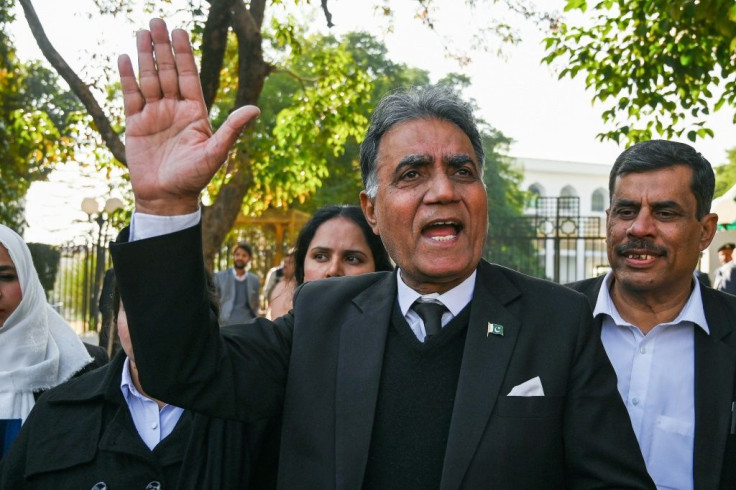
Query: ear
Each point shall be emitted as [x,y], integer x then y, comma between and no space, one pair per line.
[708,225]
[369,210]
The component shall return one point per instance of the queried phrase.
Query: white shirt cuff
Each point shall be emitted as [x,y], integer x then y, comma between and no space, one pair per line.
[150,225]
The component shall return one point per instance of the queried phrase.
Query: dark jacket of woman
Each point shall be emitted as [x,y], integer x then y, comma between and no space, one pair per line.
[80,435]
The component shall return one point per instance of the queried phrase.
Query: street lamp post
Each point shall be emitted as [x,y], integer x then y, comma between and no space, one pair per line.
[91,208]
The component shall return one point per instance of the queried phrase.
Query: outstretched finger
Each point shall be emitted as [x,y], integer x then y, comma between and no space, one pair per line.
[132,98]
[190,86]
[224,138]
[150,85]
[167,74]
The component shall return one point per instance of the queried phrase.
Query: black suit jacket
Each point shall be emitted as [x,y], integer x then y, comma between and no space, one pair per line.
[321,365]
[714,455]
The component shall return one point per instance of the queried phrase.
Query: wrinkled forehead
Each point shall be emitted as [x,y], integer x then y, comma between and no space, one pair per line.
[662,183]
[425,139]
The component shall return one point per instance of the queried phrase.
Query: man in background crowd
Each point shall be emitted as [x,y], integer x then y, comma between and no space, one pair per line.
[725,279]
[238,288]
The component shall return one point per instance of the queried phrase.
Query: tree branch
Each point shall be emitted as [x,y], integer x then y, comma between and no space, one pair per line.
[214,44]
[328,15]
[78,87]
[252,69]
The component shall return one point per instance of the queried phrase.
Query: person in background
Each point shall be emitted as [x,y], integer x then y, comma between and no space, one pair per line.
[238,288]
[102,431]
[279,301]
[108,338]
[338,241]
[273,276]
[725,279]
[38,349]
[671,340]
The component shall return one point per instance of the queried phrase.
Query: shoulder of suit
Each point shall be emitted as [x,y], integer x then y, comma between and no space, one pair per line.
[726,299]
[541,288]
[91,386]
[343,285]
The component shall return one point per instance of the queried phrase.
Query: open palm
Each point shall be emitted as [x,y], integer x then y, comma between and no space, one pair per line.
[170,148]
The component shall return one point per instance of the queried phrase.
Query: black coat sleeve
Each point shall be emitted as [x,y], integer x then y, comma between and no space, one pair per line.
[183,356]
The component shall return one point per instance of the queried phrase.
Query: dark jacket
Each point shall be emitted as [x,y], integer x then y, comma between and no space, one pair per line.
[322,364]
[81,433]
[714,458]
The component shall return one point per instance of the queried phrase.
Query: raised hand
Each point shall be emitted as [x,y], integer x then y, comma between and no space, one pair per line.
[170,148]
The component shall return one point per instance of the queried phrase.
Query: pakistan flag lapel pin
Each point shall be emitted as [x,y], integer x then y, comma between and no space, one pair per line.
[495,329]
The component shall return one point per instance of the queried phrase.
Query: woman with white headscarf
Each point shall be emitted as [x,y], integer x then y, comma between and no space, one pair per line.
[38,349]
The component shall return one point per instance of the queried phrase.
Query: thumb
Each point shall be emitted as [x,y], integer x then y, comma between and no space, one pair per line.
[226,135]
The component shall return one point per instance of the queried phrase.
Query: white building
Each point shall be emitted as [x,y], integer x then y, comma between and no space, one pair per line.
[589,182]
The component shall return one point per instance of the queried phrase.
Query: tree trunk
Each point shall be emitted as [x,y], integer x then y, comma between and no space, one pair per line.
[219,218]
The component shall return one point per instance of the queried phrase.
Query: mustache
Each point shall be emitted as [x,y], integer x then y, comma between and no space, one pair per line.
[639,246]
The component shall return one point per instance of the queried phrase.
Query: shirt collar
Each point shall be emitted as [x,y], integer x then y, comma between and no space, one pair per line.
[692,312]
[455,299]
[237,277]
[126,381]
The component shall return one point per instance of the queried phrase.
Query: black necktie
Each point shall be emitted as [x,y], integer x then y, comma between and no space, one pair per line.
[431,314]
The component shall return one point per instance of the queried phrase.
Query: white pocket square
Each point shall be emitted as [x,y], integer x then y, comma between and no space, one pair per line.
[533,387]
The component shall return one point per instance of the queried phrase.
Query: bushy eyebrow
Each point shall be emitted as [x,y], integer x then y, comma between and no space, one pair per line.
[7,268]
[413,160]
[457,160]
[656,206]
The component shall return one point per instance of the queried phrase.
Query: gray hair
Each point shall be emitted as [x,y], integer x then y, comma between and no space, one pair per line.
[430,102]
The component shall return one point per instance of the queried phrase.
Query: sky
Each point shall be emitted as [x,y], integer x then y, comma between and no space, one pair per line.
[546,117]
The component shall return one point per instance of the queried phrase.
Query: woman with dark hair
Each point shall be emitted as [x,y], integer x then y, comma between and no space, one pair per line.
[337,241]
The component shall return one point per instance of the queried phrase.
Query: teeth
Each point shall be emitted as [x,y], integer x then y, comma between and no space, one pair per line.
[640,257]
[443,238]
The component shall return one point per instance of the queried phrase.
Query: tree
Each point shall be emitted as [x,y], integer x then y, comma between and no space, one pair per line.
[661,66]
[36,121]
[343,183]
[322,116]
[279,160]
[726,174]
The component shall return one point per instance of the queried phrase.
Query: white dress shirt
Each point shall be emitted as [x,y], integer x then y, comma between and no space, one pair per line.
[153,425]
[656,379]
[151,225]
[454,300]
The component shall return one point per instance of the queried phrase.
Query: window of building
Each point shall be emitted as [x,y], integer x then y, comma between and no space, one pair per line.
[598,200]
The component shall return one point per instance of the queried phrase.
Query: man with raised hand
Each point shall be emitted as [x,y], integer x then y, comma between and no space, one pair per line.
[447,373]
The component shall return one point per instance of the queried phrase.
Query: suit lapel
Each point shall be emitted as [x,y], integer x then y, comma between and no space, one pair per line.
[360,358]
[715,363]
[485,359]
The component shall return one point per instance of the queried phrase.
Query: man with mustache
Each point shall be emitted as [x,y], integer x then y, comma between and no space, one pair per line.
[448,373]
[669,338]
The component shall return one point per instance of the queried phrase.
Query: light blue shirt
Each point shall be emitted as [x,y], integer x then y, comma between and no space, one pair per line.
[656,380]
[153,425]
[454,300]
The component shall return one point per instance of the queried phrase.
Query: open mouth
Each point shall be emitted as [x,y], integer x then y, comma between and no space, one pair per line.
[442,231]
[640,256]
